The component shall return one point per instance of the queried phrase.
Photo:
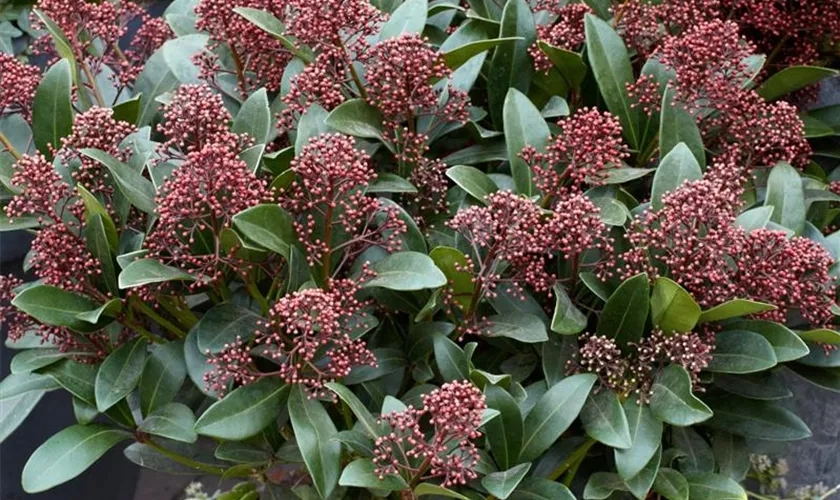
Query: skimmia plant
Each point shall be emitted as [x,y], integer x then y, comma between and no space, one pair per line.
[400,249]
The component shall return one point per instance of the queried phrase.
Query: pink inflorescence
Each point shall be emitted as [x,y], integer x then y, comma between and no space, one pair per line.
[644,24]
[197,201]
[565,32]
[509,229]
[232,365]
[260,58]
[646,94]
[400,73]
[333,25]
[95,128]
[454,412]
[43,193]
[15,321]
[331,177]
[576,227]
[322,82]
[310,333]
[18,83]
[634,372]
[195,118]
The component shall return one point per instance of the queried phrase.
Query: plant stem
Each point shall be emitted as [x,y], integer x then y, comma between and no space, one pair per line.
[148,311]
[146,334]
[573,460]
[92,81]
[258,296]
[327,257]
[9,147]
[218,471]
[182,314]
[240,69]
[358,81]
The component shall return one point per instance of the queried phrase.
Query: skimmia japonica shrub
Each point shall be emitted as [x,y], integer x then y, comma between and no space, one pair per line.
[396,249]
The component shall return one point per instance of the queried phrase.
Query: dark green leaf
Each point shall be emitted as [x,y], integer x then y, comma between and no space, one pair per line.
[793,78]
[673,309]
[473,181]
[501,484]
[602,485]
[754,218]
[677,126]
[537,488]
[67,454]
[410,17]
[223,325]
[626,311]
[162,376]
[641,483]
[569,64]
[388,360]
[762,385]
[267,225]
[786,344]
[172,421]
[245,411]
[504,433]
[708,486]
[453,263]
[119,374]
[128,111]
[406,271]
[358,118]
[145,271]
[821,335]
[387,182]
[604,420]
[731,455]
[671,484]
[756,419]
[33,359]
[826,378]
[567,319]
[18,397]
[675,168]
[611,66]
[455,58]
[645,434]
[312,124]
[554,413]
[254,118]
[451,360]
[77,378]
[785,194]
[696,454]
[365,418]
[524,126]
[733,309]
[52,116]
[55,306]
[360,473]
[672,401]
[523,327]
[313,429]
[139,190]
[424,489]
[511,66]
[741,351]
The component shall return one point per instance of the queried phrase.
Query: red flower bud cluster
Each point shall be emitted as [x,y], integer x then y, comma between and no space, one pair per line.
[454,413]
[18,83]
[259,57]
[587,148]
[643,24]
[329,196]
[196,117]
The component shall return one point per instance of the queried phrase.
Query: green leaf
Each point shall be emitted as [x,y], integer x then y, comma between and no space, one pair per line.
[569,64]
[34,359]
[673,309]
[501,484]
[312,124]
[410,17]
[67,454]
[59,38]
[567,319]
[611,66]
[55,306]
[641,483]
[825,378]
[523,327]
[119,374]
[162,377]
[645,434]
[313,428]
[537,488]
[709,486]
[76,378]
[761,385]
[623,174]
[624,315]
[360,473]
[267,225]
[365,418]
[197,365]
[524,126]
[387,182]
[677,167]
[672,401]
[223,324]
[388,360]
[19,394]
[96,234]
[406,271]
[756,419]
[453,264]
[92,208]
[731,455]
[139,190]
[83,412]
[787,346]
[601,485]
[696,454]
[271,25]
[604,420]
[792,79]
[473,181]
[425,489]
[145,271]
[451,360]
[155,79]
[504,433]
[52,115]
[554,413]
[754,218]
[677,125]
[358,118]
[254,118]
[245,411]
[457,57]
[128,111]
[733,309]
[741,351]
[821,335]
[671,484]
[787,197]
[511,66]
[172,421]
[179,53]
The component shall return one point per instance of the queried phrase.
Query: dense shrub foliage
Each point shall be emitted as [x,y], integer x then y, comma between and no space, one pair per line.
[353,249]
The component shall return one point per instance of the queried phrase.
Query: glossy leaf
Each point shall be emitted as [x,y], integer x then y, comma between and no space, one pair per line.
[222,325]
[734,308]
[671,484]
[675,168]
[624,315]
[511,66]
[405,271]
[677,125]
[756,419]
[604,420]
[358,118]
[786,195]
[787,346]
[501,484]
[162,377]
[672,401]
[52,116]
[146,271]
[451,360]
[172,421]
[139,190]
[254,118]
[709,486]
[524,126]
[245,411]
[645,434]
[410,17]
[523,327]
[673,309]
[504,433]
[360,473]
[55,306]
[119,374]
[313,428]
[567,319]
[791,79]
[741,351]
[472,180]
